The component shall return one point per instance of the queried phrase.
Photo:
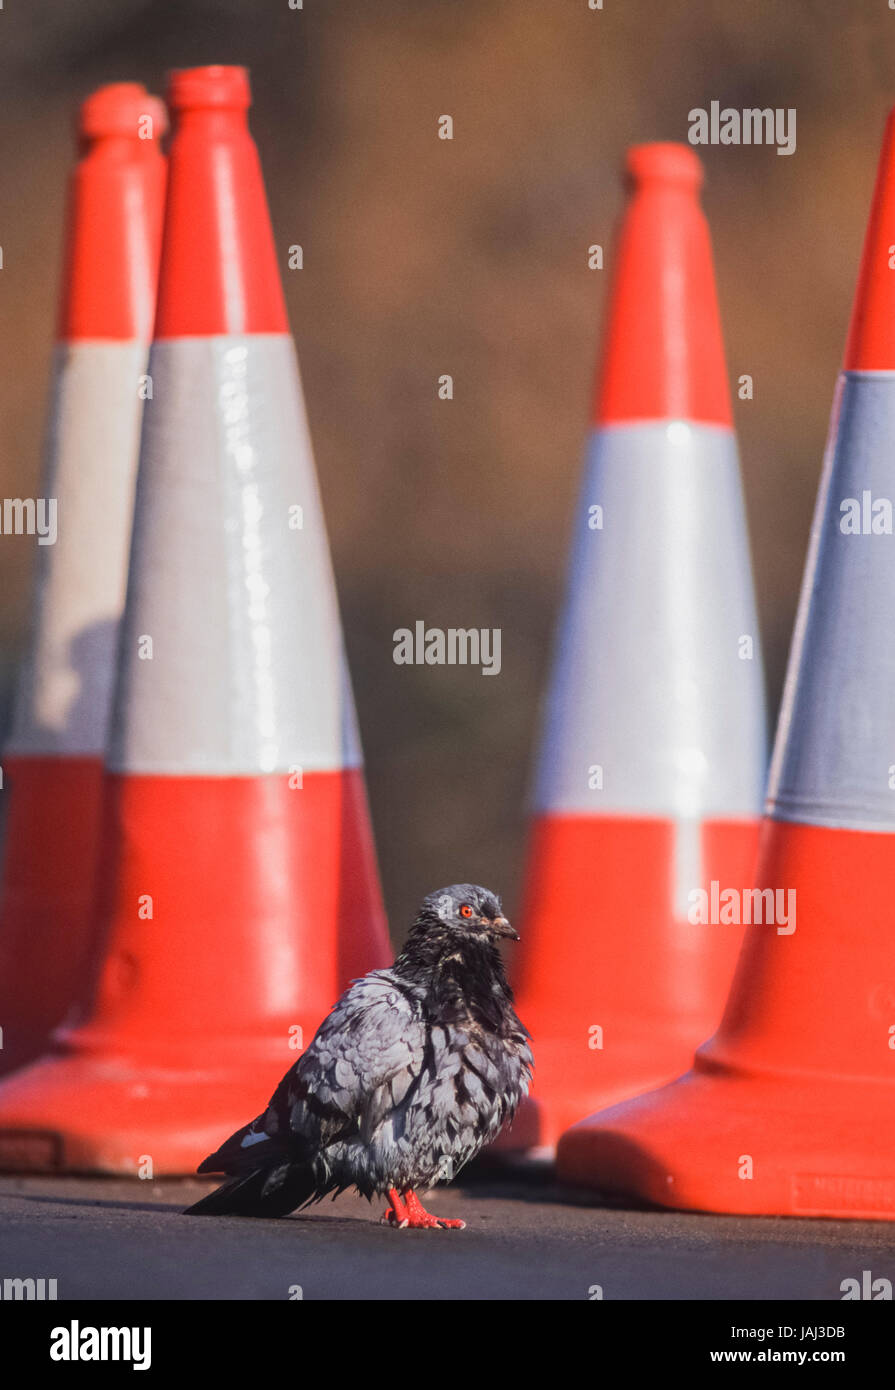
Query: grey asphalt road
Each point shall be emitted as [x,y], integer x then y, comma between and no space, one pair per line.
[525,1239]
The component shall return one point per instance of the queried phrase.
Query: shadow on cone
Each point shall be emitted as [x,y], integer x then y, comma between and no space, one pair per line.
[239,887]
[652,762]
[790,1108]
[53,762]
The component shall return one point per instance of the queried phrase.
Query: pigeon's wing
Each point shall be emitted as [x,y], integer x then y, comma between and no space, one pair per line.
[365,1057]
[362,1061]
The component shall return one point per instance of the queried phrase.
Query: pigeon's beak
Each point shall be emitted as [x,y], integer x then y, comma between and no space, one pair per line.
[500,927]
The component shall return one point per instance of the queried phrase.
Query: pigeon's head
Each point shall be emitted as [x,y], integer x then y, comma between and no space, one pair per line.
[468,909]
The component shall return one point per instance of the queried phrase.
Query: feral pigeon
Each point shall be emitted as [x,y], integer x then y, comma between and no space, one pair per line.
[411,1074]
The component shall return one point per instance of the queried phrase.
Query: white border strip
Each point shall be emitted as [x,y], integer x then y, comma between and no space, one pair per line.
[247,672]
[650,682]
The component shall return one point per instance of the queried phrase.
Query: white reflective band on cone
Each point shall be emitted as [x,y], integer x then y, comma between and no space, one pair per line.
[65,690]
[247,673]
[834,758]
[649,681]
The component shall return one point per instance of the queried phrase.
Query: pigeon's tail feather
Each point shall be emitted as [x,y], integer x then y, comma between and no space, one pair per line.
[249,1149]
[239,1196]
[264,1192]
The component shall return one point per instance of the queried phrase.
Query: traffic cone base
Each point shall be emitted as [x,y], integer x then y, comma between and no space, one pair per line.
[781,1115]
[77,1112]
[686,1147]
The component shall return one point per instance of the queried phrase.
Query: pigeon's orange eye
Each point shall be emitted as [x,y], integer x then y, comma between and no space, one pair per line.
[466,910]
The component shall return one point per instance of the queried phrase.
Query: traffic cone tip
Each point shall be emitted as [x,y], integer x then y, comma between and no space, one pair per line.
[663,355]
[664,162]
[117,109]
[870,345]
[220,272]
[210,86]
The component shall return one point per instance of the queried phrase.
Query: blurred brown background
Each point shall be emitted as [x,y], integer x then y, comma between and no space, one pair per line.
[424,257]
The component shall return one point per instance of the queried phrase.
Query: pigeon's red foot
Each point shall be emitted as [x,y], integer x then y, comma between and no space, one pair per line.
[408,1212]
[396,1214]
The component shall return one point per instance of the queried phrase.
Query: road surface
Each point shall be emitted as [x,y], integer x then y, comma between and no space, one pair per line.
[525,1239]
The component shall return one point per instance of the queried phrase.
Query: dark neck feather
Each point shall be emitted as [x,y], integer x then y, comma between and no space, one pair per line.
[463,974]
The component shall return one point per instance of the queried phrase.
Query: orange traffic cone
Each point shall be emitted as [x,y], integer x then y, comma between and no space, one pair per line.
[790,1109]
[240,883]
[653,759]
[53,760]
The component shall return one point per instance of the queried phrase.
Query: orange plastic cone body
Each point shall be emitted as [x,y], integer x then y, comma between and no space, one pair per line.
[790,1108]
[53,762]
[664,354]
[653,757]
[239,891]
